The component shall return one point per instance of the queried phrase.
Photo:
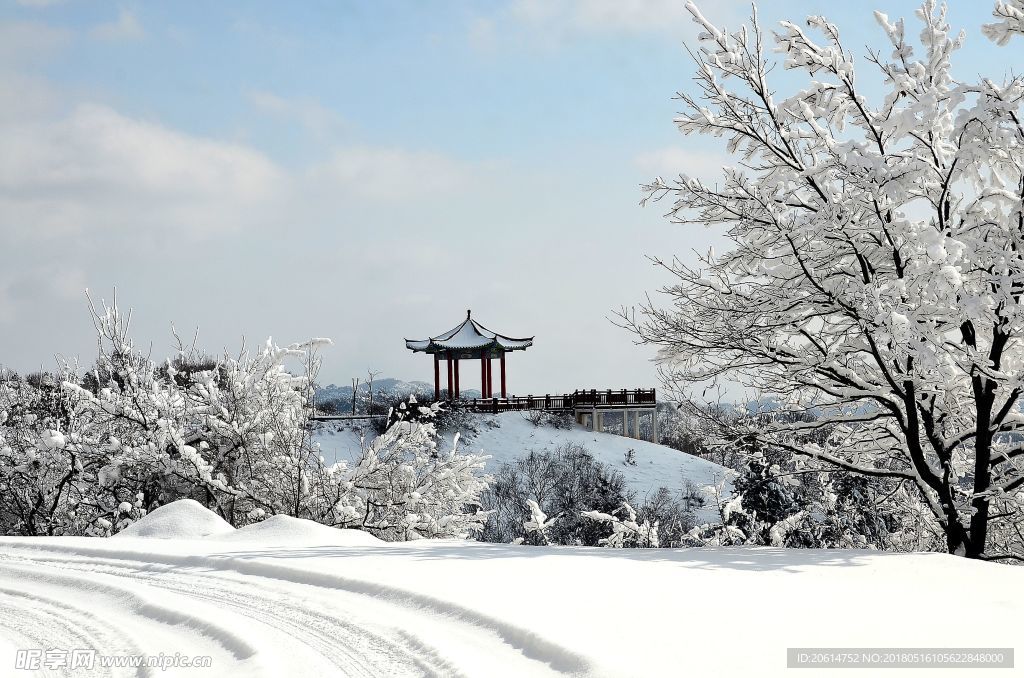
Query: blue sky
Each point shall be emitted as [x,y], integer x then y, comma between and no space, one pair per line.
[359,170]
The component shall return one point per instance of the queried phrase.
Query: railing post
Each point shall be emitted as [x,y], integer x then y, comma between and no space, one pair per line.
[547,401]
[494,405]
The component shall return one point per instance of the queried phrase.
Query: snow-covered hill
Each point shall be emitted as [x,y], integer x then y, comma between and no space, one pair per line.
[509,436]
[314,605]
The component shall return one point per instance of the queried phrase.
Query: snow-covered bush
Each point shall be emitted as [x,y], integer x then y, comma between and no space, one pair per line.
[562,484]
[559,420]
[626,531]
[37,460]
[672,513]
[779,500]
[537,526]
[403,487]
[451,420]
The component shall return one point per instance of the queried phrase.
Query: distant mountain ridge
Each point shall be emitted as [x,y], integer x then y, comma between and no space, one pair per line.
[386,389]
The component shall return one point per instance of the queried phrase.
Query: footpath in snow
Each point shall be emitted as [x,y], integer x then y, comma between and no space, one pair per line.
[290,598]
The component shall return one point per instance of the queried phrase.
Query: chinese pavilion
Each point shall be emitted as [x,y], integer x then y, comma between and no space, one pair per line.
[468,341]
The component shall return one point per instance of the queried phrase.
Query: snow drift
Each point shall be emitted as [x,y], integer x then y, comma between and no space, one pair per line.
[283,529]
[181,519]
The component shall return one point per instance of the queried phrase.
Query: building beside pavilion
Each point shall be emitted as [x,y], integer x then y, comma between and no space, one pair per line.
[469,341]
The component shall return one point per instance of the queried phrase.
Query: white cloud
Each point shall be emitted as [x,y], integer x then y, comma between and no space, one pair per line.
[125,27]
[24,42]
[320,121]
[388,174]
[24,97]
[98,169]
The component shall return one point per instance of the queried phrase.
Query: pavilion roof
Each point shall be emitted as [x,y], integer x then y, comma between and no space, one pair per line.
[469,335]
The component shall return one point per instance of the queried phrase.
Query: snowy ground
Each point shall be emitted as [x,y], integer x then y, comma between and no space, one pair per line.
[509,436]
[289,598]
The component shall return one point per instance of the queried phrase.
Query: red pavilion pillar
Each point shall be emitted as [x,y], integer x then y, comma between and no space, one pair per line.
[449,361]
[490,377]
[483,377]
[504,393]
[458,394]
[437,377]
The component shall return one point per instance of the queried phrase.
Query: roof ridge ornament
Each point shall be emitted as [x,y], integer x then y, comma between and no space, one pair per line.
[469,313]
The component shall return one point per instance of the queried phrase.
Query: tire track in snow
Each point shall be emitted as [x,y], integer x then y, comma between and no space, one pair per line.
[321,630]
[521,641]
[42,622]
[353,649]
[42,591]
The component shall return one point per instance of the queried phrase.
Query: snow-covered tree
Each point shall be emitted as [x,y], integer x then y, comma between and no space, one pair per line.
[36,464]
[90,453]
[626,530]
[231,432]
[876,265]
[403,487]
[776,501]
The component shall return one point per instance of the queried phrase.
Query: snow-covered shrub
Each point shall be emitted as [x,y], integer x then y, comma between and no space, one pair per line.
[563,484]
[559,420]
[679,429]
[627,532]
[41,460]
[537,526]
[403,487]
[451,420]
[672,513]
[778,500]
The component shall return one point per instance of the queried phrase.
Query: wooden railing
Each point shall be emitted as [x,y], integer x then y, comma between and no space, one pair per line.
[608,399]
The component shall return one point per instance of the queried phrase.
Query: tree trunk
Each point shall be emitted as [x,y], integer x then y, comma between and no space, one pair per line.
[984,396]
[957,542]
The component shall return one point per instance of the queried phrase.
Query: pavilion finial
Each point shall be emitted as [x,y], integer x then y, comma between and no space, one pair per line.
[469,313]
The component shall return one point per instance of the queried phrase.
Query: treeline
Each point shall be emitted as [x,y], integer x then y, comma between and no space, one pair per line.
[87,453]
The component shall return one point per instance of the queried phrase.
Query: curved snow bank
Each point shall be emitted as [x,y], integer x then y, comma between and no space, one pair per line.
[181,519]
[286,529]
